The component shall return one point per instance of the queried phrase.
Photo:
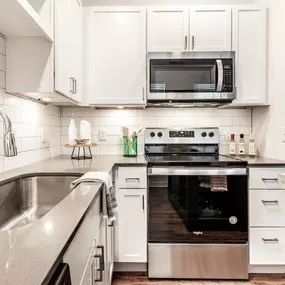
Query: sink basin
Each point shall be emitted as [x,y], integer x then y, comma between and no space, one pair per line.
[25,200]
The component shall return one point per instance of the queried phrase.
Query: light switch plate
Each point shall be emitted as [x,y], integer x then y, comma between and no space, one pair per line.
[102,135]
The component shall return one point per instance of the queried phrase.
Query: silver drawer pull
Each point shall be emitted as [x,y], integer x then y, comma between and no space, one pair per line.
[270,240]
[270,179]
[132,180]
[270,202]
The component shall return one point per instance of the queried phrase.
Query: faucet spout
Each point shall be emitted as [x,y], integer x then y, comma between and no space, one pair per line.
[10,148]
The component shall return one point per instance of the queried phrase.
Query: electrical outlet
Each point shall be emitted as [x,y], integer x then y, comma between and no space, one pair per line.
[102,135]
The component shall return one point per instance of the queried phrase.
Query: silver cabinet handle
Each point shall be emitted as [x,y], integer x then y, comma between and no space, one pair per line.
[74,86]
[99,269]
[143,202]
[101,247]
[132,180]
[143,94]
[270,240]
[185,42]
[71,85]
[193,42]
[270,179]
[270,201]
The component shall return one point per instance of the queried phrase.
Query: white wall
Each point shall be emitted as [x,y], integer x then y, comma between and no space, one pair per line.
[29,121]
[163,2]
[229,121]
[269,123]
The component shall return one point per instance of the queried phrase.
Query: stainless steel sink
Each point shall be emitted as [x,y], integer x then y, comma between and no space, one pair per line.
[25,200]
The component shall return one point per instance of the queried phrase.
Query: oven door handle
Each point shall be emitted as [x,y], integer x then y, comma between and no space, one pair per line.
[184,171]
[220,75]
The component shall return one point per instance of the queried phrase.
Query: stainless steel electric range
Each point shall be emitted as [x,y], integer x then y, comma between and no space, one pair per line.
[198,206]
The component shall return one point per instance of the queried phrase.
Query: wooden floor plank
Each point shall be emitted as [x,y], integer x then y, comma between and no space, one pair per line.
[256,280]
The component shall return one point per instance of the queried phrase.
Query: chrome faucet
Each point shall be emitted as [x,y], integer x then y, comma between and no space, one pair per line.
[10,148]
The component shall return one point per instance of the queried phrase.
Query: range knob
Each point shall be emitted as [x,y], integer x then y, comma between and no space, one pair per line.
[211,134]
[159,134]
[152,134]
[204,134]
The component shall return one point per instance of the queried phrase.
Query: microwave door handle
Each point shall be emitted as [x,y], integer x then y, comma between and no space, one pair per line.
[220,75]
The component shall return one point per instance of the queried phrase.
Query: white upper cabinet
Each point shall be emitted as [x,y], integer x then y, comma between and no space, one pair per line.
[68,49]
[183,29]
[167,28]
[27,18]
[210,29]
[250,45]
[116,56]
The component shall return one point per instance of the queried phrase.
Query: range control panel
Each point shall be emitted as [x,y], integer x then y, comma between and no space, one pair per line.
[181,136]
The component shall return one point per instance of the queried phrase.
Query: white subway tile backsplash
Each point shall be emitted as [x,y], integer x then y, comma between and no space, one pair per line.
[118,113]
[241,121]
[194,112]
[2,63]
[157,113]
[2,46]
[232,112]
[2,79]
[228,121]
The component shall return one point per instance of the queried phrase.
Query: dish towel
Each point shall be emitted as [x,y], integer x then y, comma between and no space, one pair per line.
[105,178]
[219,184]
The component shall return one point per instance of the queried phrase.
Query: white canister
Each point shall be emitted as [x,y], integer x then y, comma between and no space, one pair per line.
[85,130]
[72,132]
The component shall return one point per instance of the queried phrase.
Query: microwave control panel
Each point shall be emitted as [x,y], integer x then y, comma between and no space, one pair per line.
[228,75]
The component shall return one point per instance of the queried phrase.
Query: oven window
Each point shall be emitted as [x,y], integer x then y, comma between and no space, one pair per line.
[185,209]
[183,75]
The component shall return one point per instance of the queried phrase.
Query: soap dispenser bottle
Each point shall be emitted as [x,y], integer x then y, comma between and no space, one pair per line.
[72,133]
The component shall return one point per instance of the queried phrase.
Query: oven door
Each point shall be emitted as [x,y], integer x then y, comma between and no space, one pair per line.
[183,208]
[190,79]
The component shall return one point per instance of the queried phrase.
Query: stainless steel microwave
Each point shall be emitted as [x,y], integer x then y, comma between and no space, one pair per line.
[191,77]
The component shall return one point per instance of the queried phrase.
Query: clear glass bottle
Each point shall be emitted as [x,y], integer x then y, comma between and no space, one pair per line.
[251,146]
[241,145]
[232,145]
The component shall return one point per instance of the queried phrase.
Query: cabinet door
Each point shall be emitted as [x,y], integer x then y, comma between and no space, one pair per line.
[132,225]
[77,50]
[249,43]
[210,29]
[167,29]
[63,47]
[88,276]
[110,252]
[116,56]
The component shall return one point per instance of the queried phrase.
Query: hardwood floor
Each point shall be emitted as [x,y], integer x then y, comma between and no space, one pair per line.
[255,280]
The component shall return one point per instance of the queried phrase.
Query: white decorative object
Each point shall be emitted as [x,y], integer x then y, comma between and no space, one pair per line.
[85,130]
[72,133]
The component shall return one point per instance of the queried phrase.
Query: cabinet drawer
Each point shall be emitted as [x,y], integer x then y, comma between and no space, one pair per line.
[265,178]
[132,177]
[267,208]
[267,246]
[79,250]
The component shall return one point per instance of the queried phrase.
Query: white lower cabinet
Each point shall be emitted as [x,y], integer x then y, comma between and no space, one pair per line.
[266,218]
[267,207]
[267,246]
[90,254]
[131,225]
[132,222]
